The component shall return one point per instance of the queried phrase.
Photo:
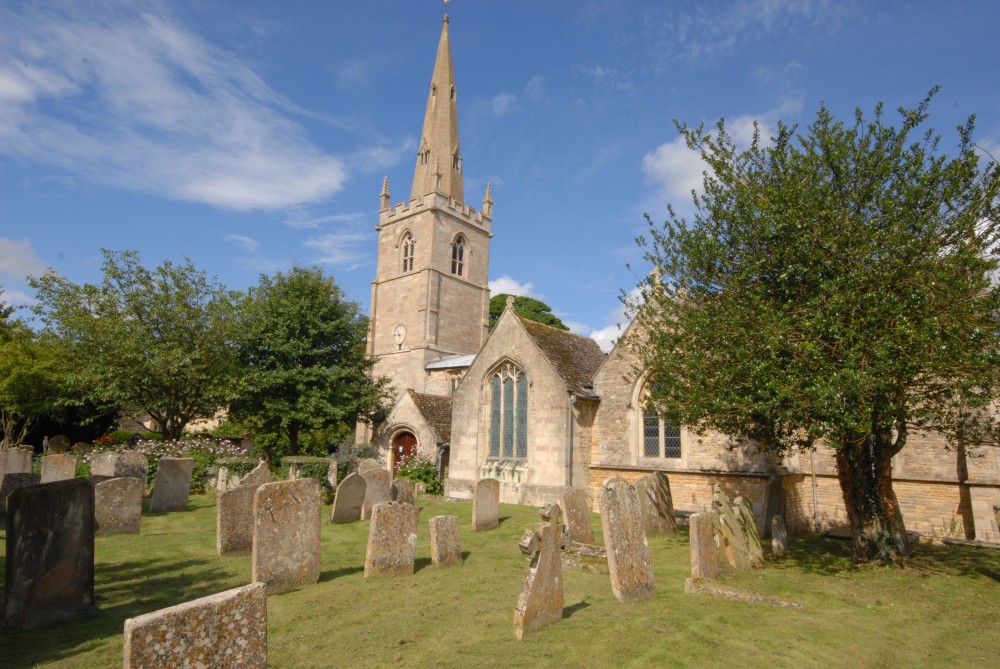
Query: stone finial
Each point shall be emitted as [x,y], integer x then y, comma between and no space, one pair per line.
[510,301]
[383,197]
[488,201]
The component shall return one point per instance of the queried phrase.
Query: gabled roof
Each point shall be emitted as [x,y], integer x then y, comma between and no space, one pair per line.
[452,362]
[436,409]
[574,358]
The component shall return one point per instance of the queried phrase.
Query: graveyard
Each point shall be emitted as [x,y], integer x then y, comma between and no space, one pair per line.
[941,608]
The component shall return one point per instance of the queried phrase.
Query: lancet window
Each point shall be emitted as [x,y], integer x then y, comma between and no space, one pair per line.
[408,245]
[508,429]
[458,256]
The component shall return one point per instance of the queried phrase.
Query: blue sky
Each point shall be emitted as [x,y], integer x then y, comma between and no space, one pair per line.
[251,136]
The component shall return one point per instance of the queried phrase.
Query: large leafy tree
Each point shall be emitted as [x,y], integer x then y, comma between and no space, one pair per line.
[29,382]
[834,285]
[528,307]
[151,341]
[302,360]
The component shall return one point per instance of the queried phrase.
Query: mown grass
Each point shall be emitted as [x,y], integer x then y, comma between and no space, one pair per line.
[941,609]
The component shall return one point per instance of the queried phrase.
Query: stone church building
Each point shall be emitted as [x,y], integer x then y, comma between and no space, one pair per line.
[541,409]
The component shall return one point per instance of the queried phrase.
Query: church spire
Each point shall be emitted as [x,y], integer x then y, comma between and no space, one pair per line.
[439,158]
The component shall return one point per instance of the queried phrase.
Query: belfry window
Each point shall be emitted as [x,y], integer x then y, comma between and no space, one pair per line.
[458,256]
[408,252]
[508,428]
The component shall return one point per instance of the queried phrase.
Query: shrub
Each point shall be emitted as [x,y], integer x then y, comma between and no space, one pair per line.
[346,455]
[419,467]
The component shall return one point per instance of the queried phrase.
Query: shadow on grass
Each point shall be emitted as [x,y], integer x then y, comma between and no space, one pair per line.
[421,563]
[331,574]
[579,606]
[955,560]
[465,555]
[502,519]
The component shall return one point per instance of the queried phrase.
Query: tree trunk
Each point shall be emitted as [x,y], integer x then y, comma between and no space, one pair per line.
[865,472]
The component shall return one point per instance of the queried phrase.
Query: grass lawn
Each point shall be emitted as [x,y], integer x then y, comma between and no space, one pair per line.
[942,609]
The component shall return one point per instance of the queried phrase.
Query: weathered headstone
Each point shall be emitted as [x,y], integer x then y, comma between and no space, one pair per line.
[779,536]
[392,540]
[260,475]
[541,601]
[228,629]
[748,524]
[419,489]
[367,464]
[485,505]
[133,465]
[377,489]
[575,505]
[226,476]
[118,505]
[15,461]
[708,555]
[58,444]
[657,504]
[58,467]
[446,546]
[173,484]
[733,542]
[626,543]
[234,520]
[103,464]
[401,491]
[349,500]
[286,547]
[50,554]
[12,482]
[331,475]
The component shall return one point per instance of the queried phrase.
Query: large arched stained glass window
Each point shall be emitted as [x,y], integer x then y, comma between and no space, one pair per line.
[508,388]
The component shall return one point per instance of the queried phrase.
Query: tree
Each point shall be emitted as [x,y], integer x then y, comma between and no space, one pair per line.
[302,358]
[157,342]
[528,307]
[29,383]
[832,286]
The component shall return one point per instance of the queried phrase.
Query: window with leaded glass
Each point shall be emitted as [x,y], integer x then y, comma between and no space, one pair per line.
[508,438]
[659,438]
[408,245]
[458,256]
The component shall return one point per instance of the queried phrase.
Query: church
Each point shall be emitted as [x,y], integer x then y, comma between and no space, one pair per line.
[541,409]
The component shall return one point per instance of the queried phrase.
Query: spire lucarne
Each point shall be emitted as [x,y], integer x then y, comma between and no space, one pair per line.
[439,156]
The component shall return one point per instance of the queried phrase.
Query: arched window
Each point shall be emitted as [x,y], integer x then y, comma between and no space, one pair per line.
[408,252]
[508,389]
[458,256]
[659,439]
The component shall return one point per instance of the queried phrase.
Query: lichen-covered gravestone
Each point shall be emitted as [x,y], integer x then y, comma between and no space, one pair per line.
[657,504]
[118,505]
[779,536]
[377,485]
[58,468]
[392,540]
[733,542]
[58,444]
[626,543]
[349,500]
[132,465]
[575,505]
[103,464]
[228,629]
[15,461]
[234,520]
[286,547]
[260,475]
[708,556]
[485,505]
[446,546]
[748,525]
[173,484]
[402,491]
[50,554]
[541,601]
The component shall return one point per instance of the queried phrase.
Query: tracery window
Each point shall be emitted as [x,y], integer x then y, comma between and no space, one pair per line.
[458,256]
[659,438]
[508,431]
[408,244]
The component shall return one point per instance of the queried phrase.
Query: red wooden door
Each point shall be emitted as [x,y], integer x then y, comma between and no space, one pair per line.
[403,446]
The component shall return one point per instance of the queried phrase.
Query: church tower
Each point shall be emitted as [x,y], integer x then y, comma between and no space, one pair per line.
[430,297]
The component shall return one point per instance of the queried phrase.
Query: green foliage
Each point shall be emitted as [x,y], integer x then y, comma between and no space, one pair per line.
[30,382]
[301,353]
[419,467]
[346,454]
[832,285]
[238,467]
[528,307]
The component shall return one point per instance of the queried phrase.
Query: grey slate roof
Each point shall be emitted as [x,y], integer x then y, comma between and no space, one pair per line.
[574,358]
[437,410]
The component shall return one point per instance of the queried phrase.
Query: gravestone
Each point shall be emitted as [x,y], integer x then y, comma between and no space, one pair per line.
[15,461]
[12,482]
[172,485]
[103,464]
[419,489]
[228,629]
[50,554]
[331,475]
[234,520]
[118,505]
[225,478]
[377,485]
[733,542]
[367,464]
[392,540]
[133,465]
[401,491]
[541,601]
[748,524]
[575,505]
[446,547]
[708,555]
[286,547]
[779,536]
[349,500]
[485,505]
[626,543]
[657,507]
[58,468]
[58,444]
[260,475]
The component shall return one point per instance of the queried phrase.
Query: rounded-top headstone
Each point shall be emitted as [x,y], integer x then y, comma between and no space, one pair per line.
[59,444]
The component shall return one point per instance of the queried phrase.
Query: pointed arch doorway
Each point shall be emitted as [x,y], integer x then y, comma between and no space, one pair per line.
[403,446]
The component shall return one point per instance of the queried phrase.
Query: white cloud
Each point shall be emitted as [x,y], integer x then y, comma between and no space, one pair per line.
[16,298]
[248,244]
[618,320]
[534,90]
[134,100]
[18,259]
[300,221]
[508,286]
[347,249]
[504,104]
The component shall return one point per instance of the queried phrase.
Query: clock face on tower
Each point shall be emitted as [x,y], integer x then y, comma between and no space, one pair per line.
[399,336]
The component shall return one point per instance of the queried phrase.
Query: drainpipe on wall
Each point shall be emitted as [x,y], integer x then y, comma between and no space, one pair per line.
[569,440]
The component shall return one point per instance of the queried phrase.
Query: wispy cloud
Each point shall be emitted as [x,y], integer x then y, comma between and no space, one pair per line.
[509,286]
[248,244]
[347,249]
[18,259]
[133,99]
[504,104]
[302,221]
[618,320]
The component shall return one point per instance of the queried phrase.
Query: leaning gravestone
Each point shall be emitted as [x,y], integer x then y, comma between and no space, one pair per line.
[349,500]
[708,555]
[58,444]
[173,484]
[779,536]
[234,520]
[377,489]
[657,513]
[625,540]
[392,540]
[485,505]
[118,505]
[748,524]
[733,542]
[228,629]
[575,505]
[58,468]
[260,475]
[446,546]
[286,534]
[401,491]
[50,554]
[541,601]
